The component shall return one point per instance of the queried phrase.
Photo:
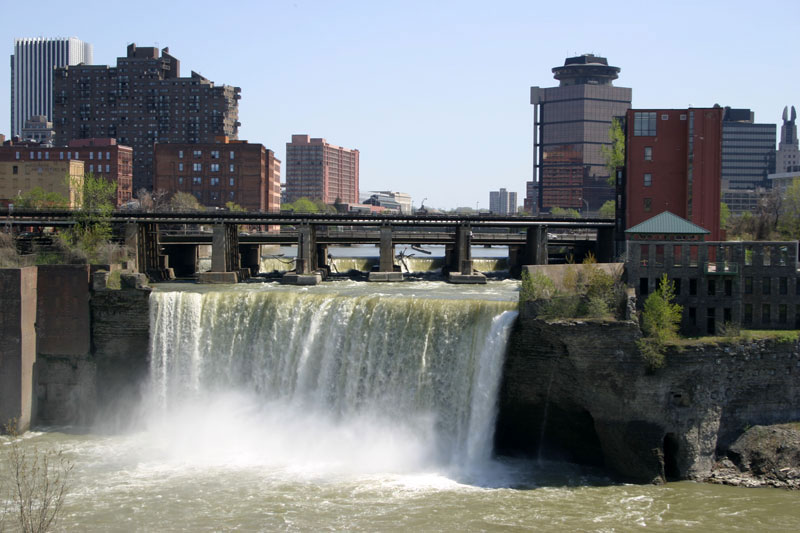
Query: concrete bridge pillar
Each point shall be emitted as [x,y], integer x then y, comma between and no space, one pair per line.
[604,250]
[225,260]
[461,271]
[386,265]
[535,252]
[305,272]
[142,239]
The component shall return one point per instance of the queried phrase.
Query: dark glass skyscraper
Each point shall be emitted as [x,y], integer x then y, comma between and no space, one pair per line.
[571,124]
[748,156]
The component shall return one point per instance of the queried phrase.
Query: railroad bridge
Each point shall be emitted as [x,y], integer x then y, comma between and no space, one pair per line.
[159,245]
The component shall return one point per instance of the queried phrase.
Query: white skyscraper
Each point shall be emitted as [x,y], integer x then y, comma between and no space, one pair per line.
[502,202]
[32,66]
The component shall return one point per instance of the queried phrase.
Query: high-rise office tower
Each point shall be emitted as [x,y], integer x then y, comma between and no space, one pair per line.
[140,102]
[571,124]
[32,65]
[502,202]
[787,159]
[321,171]
[748,156]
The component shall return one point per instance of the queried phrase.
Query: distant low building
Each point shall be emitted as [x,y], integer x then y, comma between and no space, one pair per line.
[38,129]
[64,177]
[398,202]
[101,157]
[318,170]
[502,202]
[247,174]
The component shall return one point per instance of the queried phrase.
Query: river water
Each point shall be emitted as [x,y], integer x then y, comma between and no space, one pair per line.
[350,407]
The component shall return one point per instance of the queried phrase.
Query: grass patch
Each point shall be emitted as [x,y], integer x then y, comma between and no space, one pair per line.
[779,335]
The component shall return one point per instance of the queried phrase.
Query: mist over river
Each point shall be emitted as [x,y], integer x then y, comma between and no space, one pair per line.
[350,407]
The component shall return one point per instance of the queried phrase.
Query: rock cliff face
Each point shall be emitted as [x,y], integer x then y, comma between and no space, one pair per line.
[579,390]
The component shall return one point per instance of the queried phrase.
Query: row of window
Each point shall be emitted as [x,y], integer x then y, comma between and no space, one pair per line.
[38,155]
[197,180]
[213,167]
[712,287]
[214,154]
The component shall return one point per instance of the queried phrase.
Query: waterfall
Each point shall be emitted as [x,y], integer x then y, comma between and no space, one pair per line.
[366,371]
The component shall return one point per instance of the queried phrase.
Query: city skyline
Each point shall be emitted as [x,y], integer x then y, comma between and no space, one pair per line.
[436,98]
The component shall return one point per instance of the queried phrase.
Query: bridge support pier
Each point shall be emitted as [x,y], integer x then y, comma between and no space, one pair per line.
[142,238]
[225,261]
[386,270]
[306,261]
[461,271]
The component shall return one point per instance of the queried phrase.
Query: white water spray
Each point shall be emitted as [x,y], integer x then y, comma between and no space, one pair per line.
[319,382]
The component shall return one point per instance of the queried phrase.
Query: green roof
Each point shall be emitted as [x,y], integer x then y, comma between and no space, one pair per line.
[667,222]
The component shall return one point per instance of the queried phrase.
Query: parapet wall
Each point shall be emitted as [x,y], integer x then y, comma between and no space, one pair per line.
[580,389]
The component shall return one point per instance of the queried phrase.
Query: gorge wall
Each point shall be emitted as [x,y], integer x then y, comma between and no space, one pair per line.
[579,390]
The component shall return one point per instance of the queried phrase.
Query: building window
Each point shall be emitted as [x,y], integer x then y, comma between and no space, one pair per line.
[197,180]
[782,313]
[765,314]
[15,170]
[91,168]
[648,180]
[232,154]
[17,155]
[748,314]
[648,153]
[230,168]
[180,180]
[748,285]
[712,287]
[108,168]
[214,181]
[214,167]
[693,316]
[197,167]
[108,156]
[91,155]
[677,282]
[231,182]
[180,154]
[648,204]
[61,155]
[213,195]
[214,154]
[766,286]
[198,153]
[728,287]
[180,167]
[47,155]
[39,155]
[232,196]
[692,286]
[644,124]
[783,286]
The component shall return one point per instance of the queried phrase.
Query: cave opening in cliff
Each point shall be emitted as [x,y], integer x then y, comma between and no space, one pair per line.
[671,448]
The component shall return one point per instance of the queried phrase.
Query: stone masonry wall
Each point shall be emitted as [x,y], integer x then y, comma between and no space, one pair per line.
[578,389]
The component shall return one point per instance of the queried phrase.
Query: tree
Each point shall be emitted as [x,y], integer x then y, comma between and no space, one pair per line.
[301,205]
[38,198]
[660,321]
[789,220]
[608,209]
[566,213]
[724,215]
[614,152]
[234,207]
[154,201]
[92,228]
[184,201]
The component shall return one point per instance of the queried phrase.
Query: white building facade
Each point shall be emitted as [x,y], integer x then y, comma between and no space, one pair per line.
[32,65]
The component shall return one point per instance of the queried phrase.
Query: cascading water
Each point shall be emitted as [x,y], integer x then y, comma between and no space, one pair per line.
[354,383]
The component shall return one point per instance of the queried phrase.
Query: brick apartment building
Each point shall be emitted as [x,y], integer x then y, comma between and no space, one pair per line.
[321,171]
[140,102]
[101,157]
[673,160]
[245,173]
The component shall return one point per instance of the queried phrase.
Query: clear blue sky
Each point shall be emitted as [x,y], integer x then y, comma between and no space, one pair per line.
[435,93]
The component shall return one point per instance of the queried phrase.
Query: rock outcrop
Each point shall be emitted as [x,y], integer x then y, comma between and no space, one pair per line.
[580,390]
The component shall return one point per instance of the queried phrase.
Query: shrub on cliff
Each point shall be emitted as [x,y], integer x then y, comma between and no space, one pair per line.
[660,321]
[587,291]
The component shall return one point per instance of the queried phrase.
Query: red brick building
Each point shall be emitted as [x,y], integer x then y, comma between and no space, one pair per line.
[245,173]
[101,157]
[673,162]
[321,171]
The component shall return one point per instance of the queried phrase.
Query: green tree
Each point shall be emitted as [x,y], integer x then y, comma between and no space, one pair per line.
[724,215]
[234,207]
[567,213]
[301,205]
[614,152]
[185,201]
[608,209]
[789,220]
[38,198]
[92,229]
[660,321]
